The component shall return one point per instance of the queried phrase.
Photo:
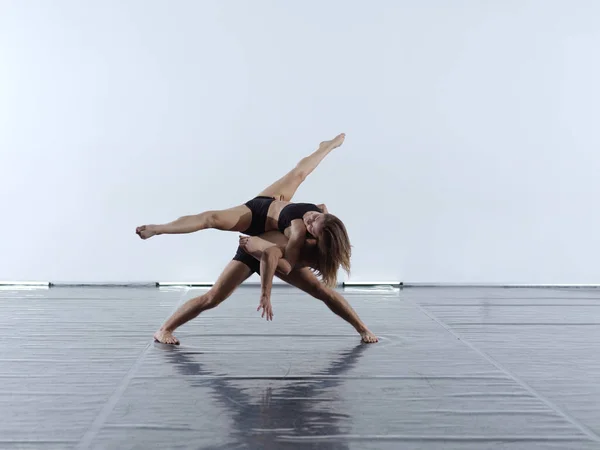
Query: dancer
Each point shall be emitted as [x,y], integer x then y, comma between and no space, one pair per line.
[272,209]
[240,269]
[243,264]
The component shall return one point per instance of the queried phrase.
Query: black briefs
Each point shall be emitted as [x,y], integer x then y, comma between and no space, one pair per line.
[260,209]
[243,257]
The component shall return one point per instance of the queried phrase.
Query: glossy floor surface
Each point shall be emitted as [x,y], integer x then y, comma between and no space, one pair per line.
[455,369]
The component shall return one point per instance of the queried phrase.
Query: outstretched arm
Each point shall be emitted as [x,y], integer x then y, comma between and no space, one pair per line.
[269,250]
[270,254]
[268,266]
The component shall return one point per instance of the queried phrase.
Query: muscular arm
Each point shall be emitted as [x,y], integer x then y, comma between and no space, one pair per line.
[269,250]
[291,248]
[268,265]
[257,246]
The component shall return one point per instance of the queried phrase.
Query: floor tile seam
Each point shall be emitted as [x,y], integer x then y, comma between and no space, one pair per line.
[573,421]
[89,436]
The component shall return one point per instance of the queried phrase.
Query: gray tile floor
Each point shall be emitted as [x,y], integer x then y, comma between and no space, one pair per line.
[455,369]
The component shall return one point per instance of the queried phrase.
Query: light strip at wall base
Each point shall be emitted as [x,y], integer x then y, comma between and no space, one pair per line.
[276,283]
[103,284]
[26,283]
[185,283]
[371,283]
[502,285]
[401,284]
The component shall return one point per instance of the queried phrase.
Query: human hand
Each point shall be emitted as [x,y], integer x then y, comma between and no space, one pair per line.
[265,304]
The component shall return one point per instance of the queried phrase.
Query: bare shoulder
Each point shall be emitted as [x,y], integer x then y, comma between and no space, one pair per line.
[297,227]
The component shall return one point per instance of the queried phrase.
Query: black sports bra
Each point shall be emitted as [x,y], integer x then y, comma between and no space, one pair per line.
[294,211]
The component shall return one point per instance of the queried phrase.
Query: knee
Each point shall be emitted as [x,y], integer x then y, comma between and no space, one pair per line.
[299,173]
[211,219]
[212,299]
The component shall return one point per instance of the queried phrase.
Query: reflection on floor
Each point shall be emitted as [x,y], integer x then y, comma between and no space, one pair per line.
[455,369]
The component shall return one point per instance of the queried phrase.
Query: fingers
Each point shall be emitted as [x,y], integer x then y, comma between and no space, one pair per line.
[267,313]
[267,310]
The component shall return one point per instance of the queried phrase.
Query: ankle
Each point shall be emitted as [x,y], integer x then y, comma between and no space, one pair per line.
[361,329]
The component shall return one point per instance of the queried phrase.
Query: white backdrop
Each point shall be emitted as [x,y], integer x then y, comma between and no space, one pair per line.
[472,152]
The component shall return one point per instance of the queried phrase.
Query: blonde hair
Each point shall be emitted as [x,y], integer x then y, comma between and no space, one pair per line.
[333,250]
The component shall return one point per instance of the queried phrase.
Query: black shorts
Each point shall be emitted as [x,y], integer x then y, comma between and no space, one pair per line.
[260,209]
[252,263]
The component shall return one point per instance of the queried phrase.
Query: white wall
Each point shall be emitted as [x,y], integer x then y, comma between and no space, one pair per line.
[472,152]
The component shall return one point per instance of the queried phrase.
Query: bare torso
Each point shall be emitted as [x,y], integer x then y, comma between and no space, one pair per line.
[273,216]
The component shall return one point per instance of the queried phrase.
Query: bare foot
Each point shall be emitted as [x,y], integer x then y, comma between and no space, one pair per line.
[251,245]
[165,337]
[335,142]
[146,231]
[368,338]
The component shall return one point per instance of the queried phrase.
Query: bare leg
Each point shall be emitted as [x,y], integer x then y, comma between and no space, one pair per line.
[306,281]
[286,187]
[237,218]
[234,274]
